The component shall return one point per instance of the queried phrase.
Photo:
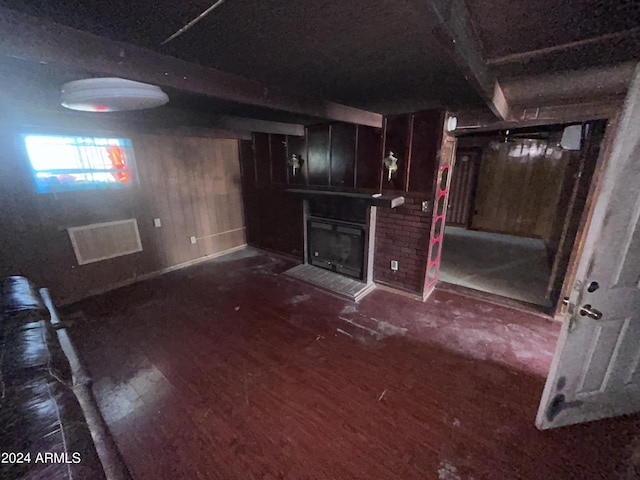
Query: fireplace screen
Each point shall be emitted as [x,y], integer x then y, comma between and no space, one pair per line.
[336,246]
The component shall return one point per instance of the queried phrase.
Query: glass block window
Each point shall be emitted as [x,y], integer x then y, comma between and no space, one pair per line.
[62,163]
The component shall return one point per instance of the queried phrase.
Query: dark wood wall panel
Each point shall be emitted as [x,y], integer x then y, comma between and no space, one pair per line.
[318,165]
[397,136]
[297,146]
[247,163]
[278,145]
[262,148]
[425,141]
[273,217]
[368,158]
[281,223]
[249,191]
[343,155]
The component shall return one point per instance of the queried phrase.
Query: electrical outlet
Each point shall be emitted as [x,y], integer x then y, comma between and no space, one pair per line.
[157,223]
[394,265]
[425,206]
[194,239]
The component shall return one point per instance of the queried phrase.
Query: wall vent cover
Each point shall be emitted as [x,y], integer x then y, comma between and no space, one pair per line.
[101,241]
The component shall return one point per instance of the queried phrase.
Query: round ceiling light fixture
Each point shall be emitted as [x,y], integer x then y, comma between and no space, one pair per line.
[111,95]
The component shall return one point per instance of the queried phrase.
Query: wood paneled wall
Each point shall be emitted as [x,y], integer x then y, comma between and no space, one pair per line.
[192,184]
[463,186]
[348,158]
[518,189]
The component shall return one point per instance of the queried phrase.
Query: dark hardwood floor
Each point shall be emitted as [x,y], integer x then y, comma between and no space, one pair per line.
[229,370]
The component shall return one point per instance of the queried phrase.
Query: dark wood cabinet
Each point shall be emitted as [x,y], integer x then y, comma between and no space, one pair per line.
[318,166]
[343,155]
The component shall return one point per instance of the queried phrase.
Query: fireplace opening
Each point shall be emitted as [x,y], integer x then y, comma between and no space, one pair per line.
[337,246]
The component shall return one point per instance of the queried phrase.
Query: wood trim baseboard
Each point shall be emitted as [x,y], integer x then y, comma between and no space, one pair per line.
[147,276]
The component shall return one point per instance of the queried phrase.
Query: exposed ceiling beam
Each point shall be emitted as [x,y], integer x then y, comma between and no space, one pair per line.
[481,121]
[263,126]
[455,31]
[30,94]
[167,120]
[569,85]
[572,96]
[169,117]
[524,56]
[34,39]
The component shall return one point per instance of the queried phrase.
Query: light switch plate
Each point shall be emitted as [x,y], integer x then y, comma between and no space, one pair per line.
[157,223]
[394,265]
[194,239]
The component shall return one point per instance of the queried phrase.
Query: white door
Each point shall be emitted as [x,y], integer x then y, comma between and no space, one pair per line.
[596,368]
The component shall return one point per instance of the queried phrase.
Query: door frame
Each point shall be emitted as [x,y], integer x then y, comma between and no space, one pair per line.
[560,309]
[602,163]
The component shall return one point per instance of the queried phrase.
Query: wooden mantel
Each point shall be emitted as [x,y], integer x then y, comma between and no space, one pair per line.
[376,200]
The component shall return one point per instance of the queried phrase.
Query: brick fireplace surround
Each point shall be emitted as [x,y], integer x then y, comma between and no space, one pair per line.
[346,160]
[400,233]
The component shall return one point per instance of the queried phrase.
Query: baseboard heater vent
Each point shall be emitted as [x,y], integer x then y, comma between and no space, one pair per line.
[100,241]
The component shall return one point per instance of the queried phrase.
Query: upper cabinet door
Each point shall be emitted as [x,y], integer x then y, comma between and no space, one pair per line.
[343,155]
[318,153]
[425,142]
[397,138]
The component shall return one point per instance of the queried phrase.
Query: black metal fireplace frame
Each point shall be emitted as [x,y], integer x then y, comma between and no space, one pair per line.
[335,224]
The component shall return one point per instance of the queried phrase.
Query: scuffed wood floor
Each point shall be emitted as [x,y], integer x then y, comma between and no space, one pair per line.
[229,370]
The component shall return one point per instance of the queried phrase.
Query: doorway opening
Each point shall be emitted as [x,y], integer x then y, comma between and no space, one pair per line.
[515,208]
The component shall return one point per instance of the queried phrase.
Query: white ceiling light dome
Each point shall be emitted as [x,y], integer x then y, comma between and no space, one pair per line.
[111,95]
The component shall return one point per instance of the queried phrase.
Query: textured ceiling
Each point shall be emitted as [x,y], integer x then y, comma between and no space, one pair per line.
[380,55]
[516,26]
[375,54]
[37,87]
[513,27]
